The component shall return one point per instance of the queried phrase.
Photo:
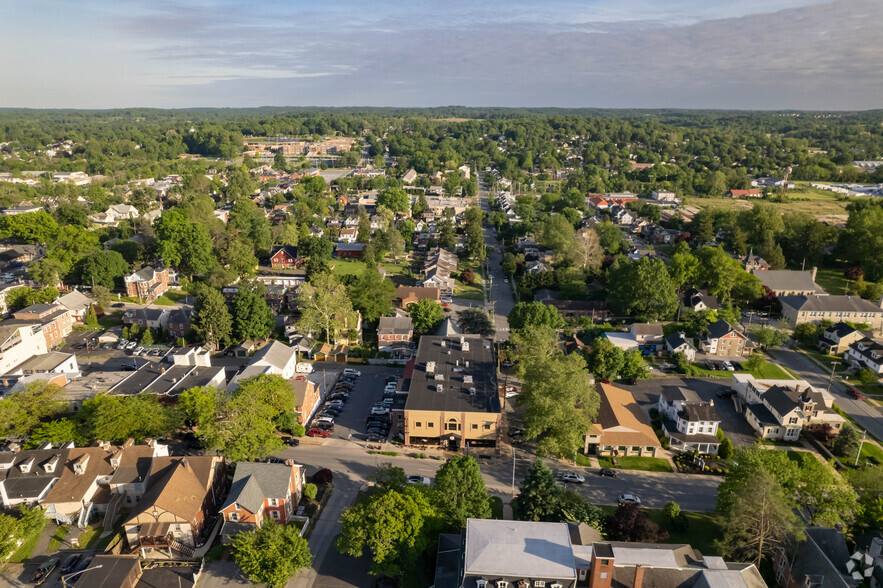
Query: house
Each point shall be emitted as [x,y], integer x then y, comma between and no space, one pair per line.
[492,553]
[302,344]
[348,235]
[409,177]
[837,338]
[821,560]
[18,342]
[394,329]
[77,303]
[750,193]
[306,394]
[180,322]
[260,492]
[664,196]
[147,283]
[20,255]
[352,250]
[622,428]
[647,333]
[812,309]
[677,342]
[182,492]
[689,423]
[408,295]
[285,257]
[721,338]
[699,300]
[27,476]
[83,486]
[453,399]
[535,267]
[150,317]
[621,215]
[596,309]
[192,356]
[624,341]
[277,357]
[866,354]
[790,283]
[780,409]
[114,214]
[56,321]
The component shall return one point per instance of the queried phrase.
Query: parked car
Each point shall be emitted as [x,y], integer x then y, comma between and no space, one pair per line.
[301,378]
[122,344]
[629,499]
[131,345]
[292,441]
[118,305]
[572,477]
[316,432]
[325,426]
[379,410]
[351,371]
[337,402]
[726,394]
[83,564]
[138,351]
[511,393]
[508,363]
[322,419]
[856,393]
[711,365]
[729,367]
[608,472]
[70,562]
[44,570]
[419,480]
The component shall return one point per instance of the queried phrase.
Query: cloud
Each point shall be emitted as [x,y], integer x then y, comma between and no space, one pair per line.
[811,54]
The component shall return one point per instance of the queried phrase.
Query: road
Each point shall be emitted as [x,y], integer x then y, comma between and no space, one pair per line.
[501,294]
[869,417]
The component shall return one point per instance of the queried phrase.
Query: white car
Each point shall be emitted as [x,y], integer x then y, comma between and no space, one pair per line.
[629,499]
[379,410]
[122,344]
[352,372]
[511,393]
[505,280]
[729,366]
[325,419]
[335,402]
[572,477]
[131,345]
[447,300]
[138,351]
[417,480]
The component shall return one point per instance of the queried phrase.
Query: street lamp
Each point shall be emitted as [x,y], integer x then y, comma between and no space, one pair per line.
[64,578]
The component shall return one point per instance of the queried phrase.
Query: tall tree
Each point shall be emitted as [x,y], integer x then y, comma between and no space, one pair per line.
[21,411]
[586,252]
[372,295]
[459,491]
[475,321]
[426,315]
[394,199]
[252,318]
[325,306]
[606,360]
[644,289]
[272,553]
[537,495]
[117,418]
[102,268]
[530,315]
[212,321]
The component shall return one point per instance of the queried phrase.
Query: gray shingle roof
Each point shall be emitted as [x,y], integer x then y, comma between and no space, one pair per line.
[395,325]
[829,304]
[276,354]
[718,329]
[254,482]
[789,281]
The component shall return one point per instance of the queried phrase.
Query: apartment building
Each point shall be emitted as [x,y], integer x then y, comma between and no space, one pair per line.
[812,309]
[147,283]
[56,321]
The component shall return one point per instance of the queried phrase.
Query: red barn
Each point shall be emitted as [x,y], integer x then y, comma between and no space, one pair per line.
[285,257]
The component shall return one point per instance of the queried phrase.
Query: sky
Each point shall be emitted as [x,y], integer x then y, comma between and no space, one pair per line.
[727,54]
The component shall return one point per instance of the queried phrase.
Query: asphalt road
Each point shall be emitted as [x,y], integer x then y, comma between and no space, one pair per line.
[501,302]
[870,417]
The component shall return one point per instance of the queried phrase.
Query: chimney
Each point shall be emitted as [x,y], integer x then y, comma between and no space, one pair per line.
[814,270]
[149,442]
[639,576]
[129,442]
[162,370]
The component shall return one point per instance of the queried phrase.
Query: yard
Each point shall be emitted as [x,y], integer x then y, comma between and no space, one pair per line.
[818,203]
[766,371]
[702,528]
[170,298]
[831,279]
[643,464]
[347,267]
[871,452]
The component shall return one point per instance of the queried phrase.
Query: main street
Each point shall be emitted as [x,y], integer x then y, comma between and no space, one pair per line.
[500,291]
[869,417]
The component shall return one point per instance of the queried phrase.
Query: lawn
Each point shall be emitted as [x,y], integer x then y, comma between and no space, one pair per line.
[470,295]
[583,460]
[346,267]
[496,508]
[802,199]
[89,536]
[823,359]
[701,531]
[767,371]
[58,537]
[170,298]
[832,280]
[643,464]
[23,553]
[871,452]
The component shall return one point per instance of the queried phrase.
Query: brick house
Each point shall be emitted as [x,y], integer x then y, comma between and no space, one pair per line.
[55,320]
[350,249]
[147,283]
[306,395]
[285,257]
[180,322]
[722,339]
[261,491]
[394,329]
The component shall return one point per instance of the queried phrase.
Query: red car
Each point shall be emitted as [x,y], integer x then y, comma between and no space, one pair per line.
[314,432]
[300,378]
[857,394]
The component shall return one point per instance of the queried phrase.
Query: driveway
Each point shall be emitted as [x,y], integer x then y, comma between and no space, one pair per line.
[869,417]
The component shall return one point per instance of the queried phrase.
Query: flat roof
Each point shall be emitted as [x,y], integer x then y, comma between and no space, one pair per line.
[44,362]
[92,384]
[454,374]
[518,548]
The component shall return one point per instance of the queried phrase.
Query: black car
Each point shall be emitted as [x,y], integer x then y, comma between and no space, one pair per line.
[325,426]
[129,368]
[119,305]
[609,472]
[293,441]
[70,562]
[44,570]
[84,563]
[726,394]
[371,438]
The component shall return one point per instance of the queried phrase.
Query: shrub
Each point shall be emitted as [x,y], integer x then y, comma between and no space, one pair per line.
[725,451]
[298,430]
[310,491]
[866,376]
[671,510]
[323,476]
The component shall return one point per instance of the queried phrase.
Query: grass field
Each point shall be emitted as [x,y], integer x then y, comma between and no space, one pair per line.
[643,464]
[802,199]
[23,553]
[58,537]
[872,453]
[831,280]
[170,298]
[702,528]
[767,371]
[346,267]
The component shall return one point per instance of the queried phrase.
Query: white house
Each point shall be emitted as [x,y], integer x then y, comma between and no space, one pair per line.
[678,343]
[867,354]
[688,422]
[664,196]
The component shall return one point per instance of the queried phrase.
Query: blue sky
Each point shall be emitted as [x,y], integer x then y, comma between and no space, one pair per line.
[771,54]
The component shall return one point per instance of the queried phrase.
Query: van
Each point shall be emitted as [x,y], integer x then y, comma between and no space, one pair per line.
[304,368]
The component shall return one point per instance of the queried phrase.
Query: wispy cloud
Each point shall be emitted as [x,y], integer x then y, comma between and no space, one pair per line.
[687,53]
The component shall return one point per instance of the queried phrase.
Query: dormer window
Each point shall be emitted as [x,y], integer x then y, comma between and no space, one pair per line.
[502,584]
[25,466]
[49,466]
[481,584]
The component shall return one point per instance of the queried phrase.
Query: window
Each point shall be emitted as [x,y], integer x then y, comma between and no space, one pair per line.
[418,424]
[539,584]
[274,514]
[236,505]
[274,502]
[474,426]
[487,426]
[430,425]
[502,584]
[234,517]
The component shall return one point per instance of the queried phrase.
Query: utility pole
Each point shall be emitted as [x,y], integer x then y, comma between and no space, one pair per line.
[860,444]
[831,381]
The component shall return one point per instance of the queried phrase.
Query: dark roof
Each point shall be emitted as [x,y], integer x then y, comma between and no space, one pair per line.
[762,414]
[822,558]
[577,305]
[677,339]
[840,329]
[350,246]
[829,303]
[395,325]
[146,314]
[111,571]
[254,482]
[781,398]
[788,281]
[699,412]
[447,561]
[162,577]
[290,250]
[693,296]
[718,329]
[456,360]
[29,485]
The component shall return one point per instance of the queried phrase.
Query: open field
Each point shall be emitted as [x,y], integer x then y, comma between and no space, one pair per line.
[767,371]
[803,199]
[831,279]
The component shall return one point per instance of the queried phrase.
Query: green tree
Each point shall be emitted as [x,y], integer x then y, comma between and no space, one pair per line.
[48,271]
[372,295]
[606,360]
[102,268]
[475,321]
[58,431]
[395,527]
[807,334]
[271,554]
[644,289]
[101,296]
[610,237]
[91,319]
[117,418]
[279,161]
[459,491]
[634,367]
[759,519]
[557,234]
[560,403]
[725,450]
[240,257]
[683,268]
[147,337]
[447,237]
[325,306]
[530,315]
[426,315]
[389,477]
[184,244]
[585,252]
[768,336]
[847,443]
[21,411]
[212,321]
[394,199]
[252,318]
[538,495]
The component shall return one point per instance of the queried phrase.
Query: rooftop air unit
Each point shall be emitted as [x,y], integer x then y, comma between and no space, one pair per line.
[430,367]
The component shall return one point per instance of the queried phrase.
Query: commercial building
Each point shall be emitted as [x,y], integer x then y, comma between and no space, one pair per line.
[622,428]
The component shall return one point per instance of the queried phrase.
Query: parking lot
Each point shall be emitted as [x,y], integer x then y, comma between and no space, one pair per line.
[366,391]
[54,578]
